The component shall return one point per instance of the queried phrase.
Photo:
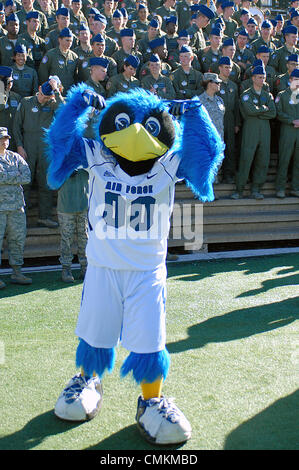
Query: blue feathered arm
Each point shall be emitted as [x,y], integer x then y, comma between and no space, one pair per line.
[66,150]
[202,151]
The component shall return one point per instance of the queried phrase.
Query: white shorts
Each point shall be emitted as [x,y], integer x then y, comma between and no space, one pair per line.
[126,306]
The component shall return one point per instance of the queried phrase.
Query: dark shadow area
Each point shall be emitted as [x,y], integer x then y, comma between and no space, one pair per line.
[272,284]
[238,324]
[35,431]
[275,428]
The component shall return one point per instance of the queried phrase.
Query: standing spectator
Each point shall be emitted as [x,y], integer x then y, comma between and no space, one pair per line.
[143,44]
[283,81]
[72,205]
[35,114]
[27,7]
[14,172]
[287,106]
[232,122]
[3,31]
[187,81]
[98,71]
[155,82]
[9,101]
[257,108]
[230,25]
[7,43]
[34,44]
[125,80]
[280,56]
[265,39]
[128,40]
[212,102]
[61,61]
[211,56]
[25,78]
[76,16]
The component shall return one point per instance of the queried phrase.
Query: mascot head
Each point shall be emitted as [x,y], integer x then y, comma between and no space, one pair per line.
[137,129]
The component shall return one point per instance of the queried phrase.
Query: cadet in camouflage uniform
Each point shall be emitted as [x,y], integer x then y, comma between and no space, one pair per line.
[14,172]
[187,81]
[155,82]
[61,61]
[212,102]
[257,108]
[287,105]
[34,114]
[72,205]
[25,78]
[124,81]
[8,102]
[232,120]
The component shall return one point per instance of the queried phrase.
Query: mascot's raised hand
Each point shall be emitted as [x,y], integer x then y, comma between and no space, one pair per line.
[140,152]
[94,100]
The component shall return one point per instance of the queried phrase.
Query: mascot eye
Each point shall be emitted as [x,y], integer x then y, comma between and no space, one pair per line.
[122,121]
[153,126]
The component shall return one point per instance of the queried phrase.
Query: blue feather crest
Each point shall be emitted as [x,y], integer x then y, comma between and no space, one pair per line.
[96,360]
[147,367]
[66,150]
[201,152]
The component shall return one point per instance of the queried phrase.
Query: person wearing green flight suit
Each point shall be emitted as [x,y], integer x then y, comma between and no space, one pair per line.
[63,21]
[98,71]
[257,108]
[155,82]
[61,61]
[76,16]
[128,40]
[187,81]
[184,13]
[231,121]
[211,56]
[280,56]
[158,46]
[230,25]
[243,57]
[265,39]
[117,21]
[248,83]
[124,81]
[143,44]
[263,54]
[229,50]
[98,48]
[173,59]
[3,31]
[203,17]
[283,81]
[35,45]
[98,26]
[253,30]
[141,24]
[9,101]
[27,7]
[166,10]
[287,105]
[34,114]
[7,43]
[84,50]
[25,79]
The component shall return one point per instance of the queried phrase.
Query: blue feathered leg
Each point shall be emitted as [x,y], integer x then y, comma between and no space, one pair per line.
[94,360]
[147,367]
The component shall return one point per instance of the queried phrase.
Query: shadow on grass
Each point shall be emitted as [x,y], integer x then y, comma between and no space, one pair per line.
[275,428]
[35,431]
[129,438]
[241,323]
[49,281]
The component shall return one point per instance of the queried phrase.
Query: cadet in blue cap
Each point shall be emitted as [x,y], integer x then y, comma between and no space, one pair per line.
[203,17]
[125,80]
[244,57]
[173,60]
[140,25]
[35,44]
[158,46]
[61,61]
[283,80]
[25,78]
[171,33]
[98,26]
[257,108]
[187,81]
[287,105]
[9,101]
[230,25]
[128,41]
[98,46]
[63,21]
[280,56]
[34,114]
[263,53]
[211,56]
[265,39]
[231,121]
[28,11]
[143,44]
[157,83]
[84,49]
[253,30]
[77,16]
[166,10]
[117,26]
[7,43]
[229,50]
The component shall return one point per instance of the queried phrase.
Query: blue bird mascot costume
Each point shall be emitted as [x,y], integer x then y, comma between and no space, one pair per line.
[139,153]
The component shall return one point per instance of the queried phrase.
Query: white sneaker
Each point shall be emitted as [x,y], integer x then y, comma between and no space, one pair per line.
[161,422]
[81,399]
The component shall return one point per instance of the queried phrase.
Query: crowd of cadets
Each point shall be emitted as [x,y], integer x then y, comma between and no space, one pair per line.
[240,65]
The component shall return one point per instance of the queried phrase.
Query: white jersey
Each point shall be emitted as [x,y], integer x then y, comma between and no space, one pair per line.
[129,216]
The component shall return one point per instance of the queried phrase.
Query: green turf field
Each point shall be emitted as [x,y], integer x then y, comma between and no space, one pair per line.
[232,330]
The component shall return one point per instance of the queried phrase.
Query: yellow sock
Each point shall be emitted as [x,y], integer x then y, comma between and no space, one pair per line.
[152,390]
[83,373]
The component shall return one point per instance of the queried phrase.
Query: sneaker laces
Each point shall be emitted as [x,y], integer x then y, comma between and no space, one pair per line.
[167,408]
[72,392]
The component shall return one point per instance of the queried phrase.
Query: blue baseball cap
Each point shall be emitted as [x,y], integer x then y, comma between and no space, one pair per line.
[99,61]
[132,60]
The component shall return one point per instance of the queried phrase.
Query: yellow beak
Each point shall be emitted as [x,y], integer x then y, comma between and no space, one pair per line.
[134,143]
